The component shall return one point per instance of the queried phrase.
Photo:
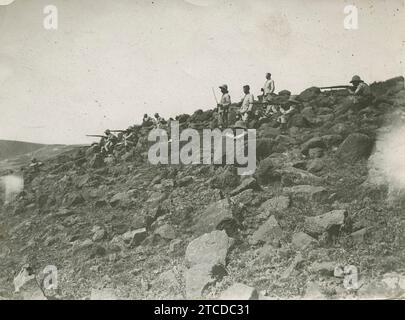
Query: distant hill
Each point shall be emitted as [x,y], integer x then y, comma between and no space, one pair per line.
[14,154]
[11,149]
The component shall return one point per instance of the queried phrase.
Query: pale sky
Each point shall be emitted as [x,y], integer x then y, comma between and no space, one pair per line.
[111,61]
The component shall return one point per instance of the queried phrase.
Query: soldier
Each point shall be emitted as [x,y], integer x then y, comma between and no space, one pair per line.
[361,93]
[246,105]
[223,106]
[147,121]
[268,88]
[159,121]
[110,142]
[129,138]
[287,111]
[35,164]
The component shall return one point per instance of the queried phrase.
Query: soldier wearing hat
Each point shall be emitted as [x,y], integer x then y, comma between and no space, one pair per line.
[223,106]
[110,141]
[287,111]
[361,92]
[147,121]
[360,88]
[268,88]
[246,105]
[159,121]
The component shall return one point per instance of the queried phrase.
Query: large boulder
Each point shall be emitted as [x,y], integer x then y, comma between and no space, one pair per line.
[329,222]
[315,142]
[239,291]
[302,241]
[247,183]
[355,147]
[293,176]
[217,216]
[264,147]
[307,192]
[265,173]
[270,232]
[309,94]
[228,178]
[332,140]
[273,205]
[204,256]
[121,199]
[210,248]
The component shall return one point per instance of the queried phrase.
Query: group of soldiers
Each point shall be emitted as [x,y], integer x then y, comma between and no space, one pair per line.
[268,106]
[251,113]
[125,140]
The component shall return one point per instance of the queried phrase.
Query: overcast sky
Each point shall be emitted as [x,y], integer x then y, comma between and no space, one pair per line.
[111,61]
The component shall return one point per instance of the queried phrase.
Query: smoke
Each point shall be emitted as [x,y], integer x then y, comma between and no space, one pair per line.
[387,165]
[12,186]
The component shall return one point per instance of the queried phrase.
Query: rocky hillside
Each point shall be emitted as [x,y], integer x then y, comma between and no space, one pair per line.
[309,224]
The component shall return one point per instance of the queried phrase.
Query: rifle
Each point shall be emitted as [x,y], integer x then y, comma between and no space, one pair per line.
[215,97]
[96,135]
[119,130]
[336,87]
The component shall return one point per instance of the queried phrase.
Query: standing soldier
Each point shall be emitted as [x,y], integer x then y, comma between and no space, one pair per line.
[223,106]
[268,88]
[246,105]
[287,111]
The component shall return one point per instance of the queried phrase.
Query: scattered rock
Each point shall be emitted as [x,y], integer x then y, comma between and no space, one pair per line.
[247,183]
[315,165]
[293,176]
[298,259]
[203,255]
[217,216]
[302,241]
[355,147]
[131,238]
[210,249]
[121,199]
[276,204]
[323,268]
[98,233]
[327,222]
[185,181]
[245,197]
[103,294]
[269,232]
[359,235]
[239,291]
[315,142]
[307,192]
[166,231]
[313,292]
[315,153]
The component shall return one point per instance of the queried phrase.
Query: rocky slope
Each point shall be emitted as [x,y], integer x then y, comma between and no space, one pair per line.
[309,224]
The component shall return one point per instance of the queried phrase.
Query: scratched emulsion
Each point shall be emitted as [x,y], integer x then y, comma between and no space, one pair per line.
[11,186]
[387,164]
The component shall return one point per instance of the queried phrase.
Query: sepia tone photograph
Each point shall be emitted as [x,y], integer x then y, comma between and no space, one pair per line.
[202,150]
